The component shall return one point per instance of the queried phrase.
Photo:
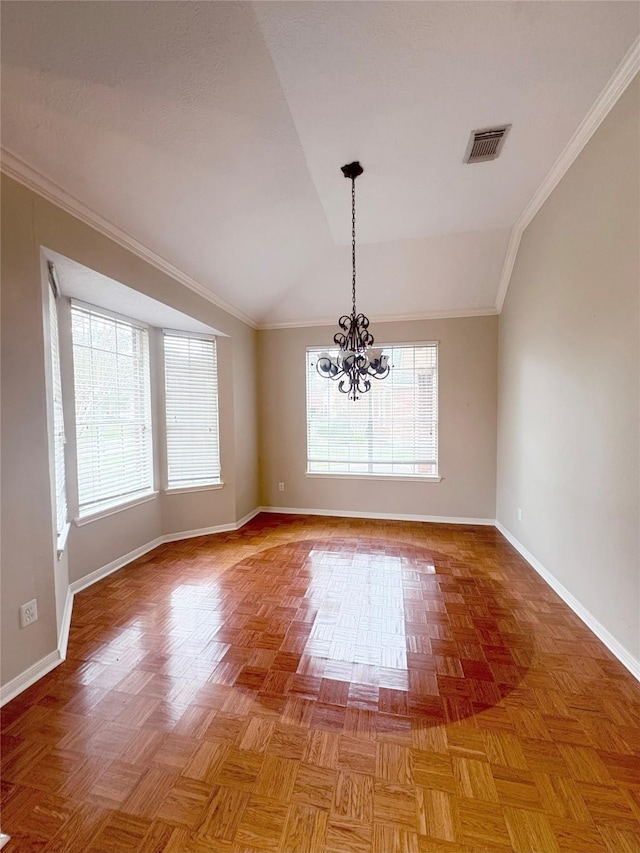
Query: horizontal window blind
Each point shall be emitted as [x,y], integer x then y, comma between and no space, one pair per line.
[58,417]
[113,409]
[392,429]
[191,393]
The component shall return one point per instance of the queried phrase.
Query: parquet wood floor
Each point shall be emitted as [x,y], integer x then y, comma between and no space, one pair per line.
[333,685]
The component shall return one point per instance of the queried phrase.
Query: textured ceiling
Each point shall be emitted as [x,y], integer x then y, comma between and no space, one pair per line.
[213,133]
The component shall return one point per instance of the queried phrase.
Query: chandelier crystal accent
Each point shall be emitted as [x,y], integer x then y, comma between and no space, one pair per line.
[357,360]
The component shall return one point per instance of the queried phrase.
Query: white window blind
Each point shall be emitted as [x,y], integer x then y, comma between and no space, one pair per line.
[191,389]
[58,417]
[113,409]
[392,429]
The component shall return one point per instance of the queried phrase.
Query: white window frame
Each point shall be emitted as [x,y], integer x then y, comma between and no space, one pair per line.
[100,508]
[209,481]
[60,498]
[353,475]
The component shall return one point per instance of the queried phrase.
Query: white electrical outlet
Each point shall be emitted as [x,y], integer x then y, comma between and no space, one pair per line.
[28,613]
[519,514]
[281,487]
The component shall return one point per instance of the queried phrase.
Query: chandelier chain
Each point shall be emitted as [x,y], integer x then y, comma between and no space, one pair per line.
[356,362]
[353,243]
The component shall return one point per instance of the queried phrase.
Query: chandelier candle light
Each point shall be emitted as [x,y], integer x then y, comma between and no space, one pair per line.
[357,359]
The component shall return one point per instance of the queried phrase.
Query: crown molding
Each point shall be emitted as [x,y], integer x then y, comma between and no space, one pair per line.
[622,77]
[388,318]
[23,173]
[16,168]
[30,177]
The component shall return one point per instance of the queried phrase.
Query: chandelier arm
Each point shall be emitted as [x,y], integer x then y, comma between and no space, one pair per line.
[380,374]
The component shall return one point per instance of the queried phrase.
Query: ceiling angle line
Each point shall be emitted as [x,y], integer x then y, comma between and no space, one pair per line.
[602,106]
[19,170]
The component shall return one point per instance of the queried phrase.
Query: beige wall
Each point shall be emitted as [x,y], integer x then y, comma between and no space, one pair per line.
[568,413]
[467,424]
[27,525]
[568,429]
[28,570]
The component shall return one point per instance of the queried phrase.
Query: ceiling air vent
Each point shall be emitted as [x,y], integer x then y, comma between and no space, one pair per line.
[486,144]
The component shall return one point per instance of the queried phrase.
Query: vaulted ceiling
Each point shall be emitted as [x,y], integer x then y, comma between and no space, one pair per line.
[212,133]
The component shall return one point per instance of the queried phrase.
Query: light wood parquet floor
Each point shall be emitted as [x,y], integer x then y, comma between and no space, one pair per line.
[315,684]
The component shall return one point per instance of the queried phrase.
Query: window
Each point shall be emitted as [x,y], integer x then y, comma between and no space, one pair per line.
[191,390]
[391,430]
[58,418]
[113,409]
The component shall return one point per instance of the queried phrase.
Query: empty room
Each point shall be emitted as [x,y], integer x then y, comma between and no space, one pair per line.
[320,426]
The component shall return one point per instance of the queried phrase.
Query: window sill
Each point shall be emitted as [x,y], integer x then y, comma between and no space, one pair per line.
[112,510]
[412,478]
[61,544]
[181,490]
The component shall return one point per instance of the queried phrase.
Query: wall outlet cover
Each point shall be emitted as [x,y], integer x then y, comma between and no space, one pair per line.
[28,613]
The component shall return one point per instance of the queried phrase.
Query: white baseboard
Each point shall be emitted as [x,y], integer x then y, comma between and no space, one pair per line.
[201,531]
[615,647]
[248,517]
[35,672]
[114,565]
[65,627]
[14,687]
[31,675]
[208,531]
[4,839]
[384,516]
